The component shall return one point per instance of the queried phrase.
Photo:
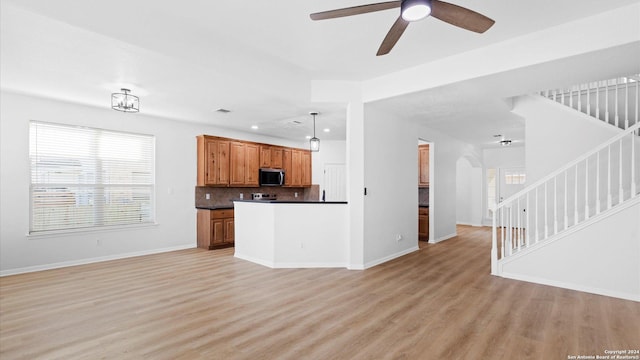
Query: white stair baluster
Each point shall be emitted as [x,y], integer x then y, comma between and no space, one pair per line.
[537,223]
[575,196]
[555,205]
[598,100]
[586,189]
[566,200]
[546,214]
[620,189]
[617,118]
[633,164]
[598,183]
[528,228]
[626,104]
[606,104]
[609,197]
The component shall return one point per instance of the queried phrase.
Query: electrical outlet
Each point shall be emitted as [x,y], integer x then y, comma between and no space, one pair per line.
[207,196]
[301,245]
[295,194]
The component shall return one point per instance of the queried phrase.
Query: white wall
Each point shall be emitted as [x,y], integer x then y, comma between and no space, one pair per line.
[391,179]
[175,182]
[602,258]
[469,192]
[556,134]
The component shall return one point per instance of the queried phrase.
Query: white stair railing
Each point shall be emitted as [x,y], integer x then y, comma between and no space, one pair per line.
[593,183]
[613,101]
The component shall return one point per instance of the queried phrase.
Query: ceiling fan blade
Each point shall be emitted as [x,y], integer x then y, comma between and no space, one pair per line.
[392,36]
[460,16]
[355,10]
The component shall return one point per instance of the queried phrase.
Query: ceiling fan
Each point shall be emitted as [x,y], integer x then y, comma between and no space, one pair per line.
[414,10]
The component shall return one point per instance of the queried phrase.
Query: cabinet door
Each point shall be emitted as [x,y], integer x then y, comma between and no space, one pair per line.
[265,156]
[229,230]
[237,156]
[222,163]
[276,158]
[296,167]
[287,166]
[210,171]
[252,165]
[423,165]
[217,232]
[306,168]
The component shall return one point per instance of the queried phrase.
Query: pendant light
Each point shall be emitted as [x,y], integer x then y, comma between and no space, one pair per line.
[314,142]
[125,102]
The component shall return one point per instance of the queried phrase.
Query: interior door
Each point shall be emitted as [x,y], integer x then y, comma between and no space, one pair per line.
[511,181]
[335,182]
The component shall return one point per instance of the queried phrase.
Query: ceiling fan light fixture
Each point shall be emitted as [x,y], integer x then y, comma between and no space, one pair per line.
[414,10]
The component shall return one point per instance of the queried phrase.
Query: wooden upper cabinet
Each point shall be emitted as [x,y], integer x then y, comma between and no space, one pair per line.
[423,165]
[237,169]
[244,164]
[276,157]
[252,164]
[306,168]
[213,162]
[287,166]
[236,163]
[265,156]
[297,167]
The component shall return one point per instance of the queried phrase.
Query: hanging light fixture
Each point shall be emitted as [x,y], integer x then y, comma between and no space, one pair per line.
[125,102]
[314,142]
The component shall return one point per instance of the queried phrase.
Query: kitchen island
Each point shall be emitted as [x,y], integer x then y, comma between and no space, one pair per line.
[292,234]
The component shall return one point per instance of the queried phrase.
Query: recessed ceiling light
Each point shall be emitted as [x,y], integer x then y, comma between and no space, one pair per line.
[224,111]
[254,127]
[327,130]
[308,137]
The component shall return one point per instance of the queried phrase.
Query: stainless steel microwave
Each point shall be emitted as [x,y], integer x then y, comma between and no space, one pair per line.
[271,177]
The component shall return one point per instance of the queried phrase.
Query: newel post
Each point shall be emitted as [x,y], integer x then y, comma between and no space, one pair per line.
[494,242]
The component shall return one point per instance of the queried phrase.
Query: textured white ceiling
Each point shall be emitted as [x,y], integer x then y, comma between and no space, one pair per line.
[185,59]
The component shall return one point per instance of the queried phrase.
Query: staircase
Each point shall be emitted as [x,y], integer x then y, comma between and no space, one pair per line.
[589,189]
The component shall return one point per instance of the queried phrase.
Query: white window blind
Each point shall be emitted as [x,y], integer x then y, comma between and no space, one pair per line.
[87,178]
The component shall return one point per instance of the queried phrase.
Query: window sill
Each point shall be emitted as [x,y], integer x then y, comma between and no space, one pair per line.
[103,229]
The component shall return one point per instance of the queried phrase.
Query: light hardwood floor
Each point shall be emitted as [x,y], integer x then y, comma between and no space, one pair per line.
[436,303]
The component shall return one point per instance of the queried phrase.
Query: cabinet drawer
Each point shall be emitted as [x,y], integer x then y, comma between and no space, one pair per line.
[222,214]
[423,211]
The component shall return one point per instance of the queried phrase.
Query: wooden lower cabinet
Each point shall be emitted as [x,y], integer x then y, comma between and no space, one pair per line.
[215,228]
[423,224]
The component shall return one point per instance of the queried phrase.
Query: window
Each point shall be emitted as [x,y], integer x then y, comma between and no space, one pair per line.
[514,177]
[89,178]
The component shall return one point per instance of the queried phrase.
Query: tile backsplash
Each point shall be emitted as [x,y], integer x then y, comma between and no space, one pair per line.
[222,196]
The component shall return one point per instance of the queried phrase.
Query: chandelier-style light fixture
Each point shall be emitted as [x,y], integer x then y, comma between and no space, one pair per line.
[314,142]
[125,102]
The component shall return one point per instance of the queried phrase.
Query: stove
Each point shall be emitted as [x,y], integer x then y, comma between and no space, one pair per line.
[263,196]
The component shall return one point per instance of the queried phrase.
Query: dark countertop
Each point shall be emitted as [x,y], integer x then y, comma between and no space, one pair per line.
[423,205]
[215,207]
[292,201]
